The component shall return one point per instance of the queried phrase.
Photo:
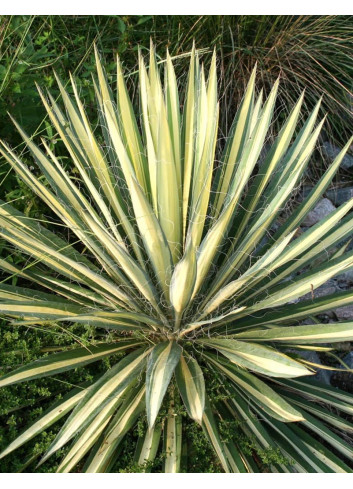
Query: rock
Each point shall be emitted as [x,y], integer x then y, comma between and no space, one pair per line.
[304,192]
[321,210]
[307,322]
[304,229]
[345,279]
[340,195]
[347,243]
[344,380]
[344,313]
[330,151]
[325,289]
[328,288]
[275,226]
[325,318]
[321,375]
[348,359]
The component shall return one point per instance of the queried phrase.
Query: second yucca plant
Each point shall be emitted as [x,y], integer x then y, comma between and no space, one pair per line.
[180,274]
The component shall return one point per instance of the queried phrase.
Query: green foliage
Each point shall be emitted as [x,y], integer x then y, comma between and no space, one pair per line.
[166,267]
[31,47]
[24,403]
[200,456]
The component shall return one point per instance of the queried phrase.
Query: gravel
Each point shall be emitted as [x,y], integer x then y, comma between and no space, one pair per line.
[330,151]
[320,211]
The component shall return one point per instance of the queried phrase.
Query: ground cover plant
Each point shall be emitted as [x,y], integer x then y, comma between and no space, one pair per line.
[163,248]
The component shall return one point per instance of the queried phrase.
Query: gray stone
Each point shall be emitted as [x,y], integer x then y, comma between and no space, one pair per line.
[345,280]
[328,288]
[348,359]
[304,192]
[275,226]
[307,322]
[347,243]
[340,195]
[320,211]
[321,375]
[325,318]
[330,151]
[344,313]
[325,289]
[343,379]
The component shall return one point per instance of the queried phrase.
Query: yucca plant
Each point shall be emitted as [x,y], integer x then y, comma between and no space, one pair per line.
[169,256]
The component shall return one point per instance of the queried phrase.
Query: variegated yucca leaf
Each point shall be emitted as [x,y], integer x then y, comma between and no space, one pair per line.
[182,276]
